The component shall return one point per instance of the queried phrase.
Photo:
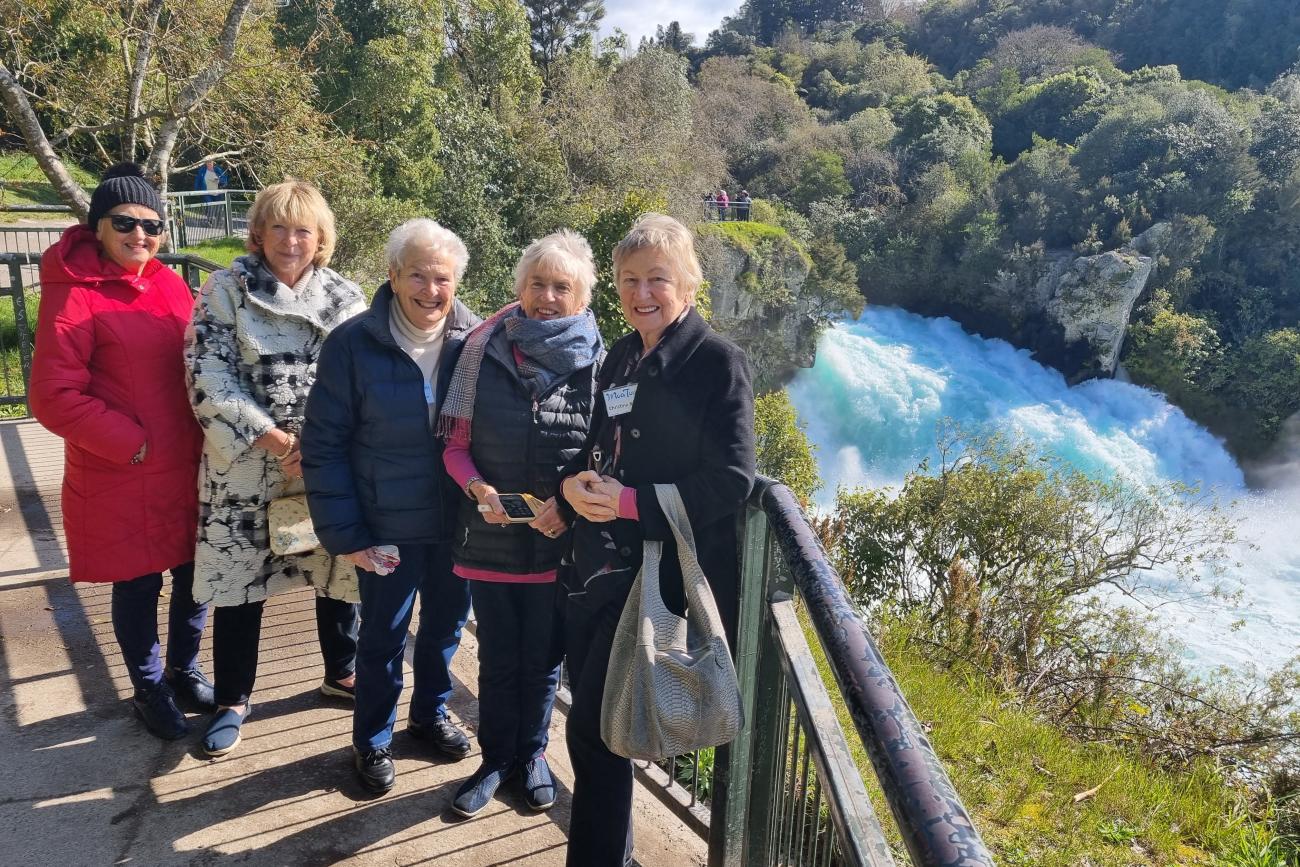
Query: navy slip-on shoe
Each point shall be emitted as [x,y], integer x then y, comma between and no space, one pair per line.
[223,733]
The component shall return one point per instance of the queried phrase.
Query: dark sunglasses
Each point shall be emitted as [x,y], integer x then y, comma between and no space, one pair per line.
[124,224]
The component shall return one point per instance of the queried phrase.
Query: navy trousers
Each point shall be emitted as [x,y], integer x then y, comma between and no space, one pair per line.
[387,603]
[600,823]
[135,624]
[518,659]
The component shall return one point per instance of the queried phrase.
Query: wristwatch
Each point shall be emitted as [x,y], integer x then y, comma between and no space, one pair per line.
[469,483]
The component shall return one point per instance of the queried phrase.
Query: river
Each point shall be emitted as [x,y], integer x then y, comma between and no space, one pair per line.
[881,385]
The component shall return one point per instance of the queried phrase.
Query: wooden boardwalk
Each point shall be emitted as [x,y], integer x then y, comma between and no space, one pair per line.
[83,784]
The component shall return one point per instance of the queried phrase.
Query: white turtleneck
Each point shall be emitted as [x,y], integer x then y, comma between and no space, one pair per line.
[424,347]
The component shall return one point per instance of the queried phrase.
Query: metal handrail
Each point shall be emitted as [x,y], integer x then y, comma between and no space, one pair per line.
[936,828]
[186,194]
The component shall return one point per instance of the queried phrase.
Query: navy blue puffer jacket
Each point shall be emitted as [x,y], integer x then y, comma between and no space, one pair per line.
[372,465]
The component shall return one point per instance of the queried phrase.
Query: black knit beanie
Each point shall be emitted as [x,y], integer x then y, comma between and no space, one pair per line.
[123,184]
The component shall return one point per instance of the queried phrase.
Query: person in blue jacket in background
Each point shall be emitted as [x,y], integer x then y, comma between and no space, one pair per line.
[211,179]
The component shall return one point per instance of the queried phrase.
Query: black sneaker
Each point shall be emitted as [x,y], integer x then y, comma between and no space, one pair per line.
[192,689]
[375,769]
[443,734]
[539,784]
[156,708]
[475,793]
[333,689]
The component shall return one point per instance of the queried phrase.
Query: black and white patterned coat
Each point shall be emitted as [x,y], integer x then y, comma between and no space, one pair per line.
[251,355]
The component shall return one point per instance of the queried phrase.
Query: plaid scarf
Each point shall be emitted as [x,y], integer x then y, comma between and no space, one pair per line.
[551,349]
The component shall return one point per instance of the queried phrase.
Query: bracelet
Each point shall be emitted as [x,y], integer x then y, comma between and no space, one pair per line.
[293,444]
[469,483]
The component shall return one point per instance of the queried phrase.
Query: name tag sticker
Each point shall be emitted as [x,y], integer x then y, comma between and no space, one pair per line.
[618,401]
[428,393]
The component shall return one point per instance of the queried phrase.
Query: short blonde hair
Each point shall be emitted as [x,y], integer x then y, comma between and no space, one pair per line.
[292,201]
[429,235]
[668,236]
[565,251]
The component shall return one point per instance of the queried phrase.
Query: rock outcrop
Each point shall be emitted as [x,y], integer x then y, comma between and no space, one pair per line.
[1075,310]
[756,277]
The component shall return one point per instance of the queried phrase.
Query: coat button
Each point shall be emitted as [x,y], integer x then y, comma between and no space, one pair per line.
[636,433]
[625,551]
[654,371]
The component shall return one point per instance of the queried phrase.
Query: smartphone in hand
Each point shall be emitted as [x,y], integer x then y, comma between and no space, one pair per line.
[519,508]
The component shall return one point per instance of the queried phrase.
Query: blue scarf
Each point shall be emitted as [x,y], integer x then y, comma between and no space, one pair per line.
[553,348]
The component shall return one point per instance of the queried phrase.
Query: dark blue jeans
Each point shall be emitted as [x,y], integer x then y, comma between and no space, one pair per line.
[600,822]
[387,602]
[135,623]
[518,668]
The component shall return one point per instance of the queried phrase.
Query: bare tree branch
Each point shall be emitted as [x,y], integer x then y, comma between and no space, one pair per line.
[196,91]
[214,156]
[104,127]
[139,68]
[20,110]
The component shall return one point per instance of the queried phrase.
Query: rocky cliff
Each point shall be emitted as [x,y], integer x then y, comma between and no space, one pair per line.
[1071,311]
[757,276]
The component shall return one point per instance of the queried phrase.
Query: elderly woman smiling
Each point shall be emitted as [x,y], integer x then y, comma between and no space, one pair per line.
[258,328]
[107,378]
[375,480]
[518,410]
[685,417]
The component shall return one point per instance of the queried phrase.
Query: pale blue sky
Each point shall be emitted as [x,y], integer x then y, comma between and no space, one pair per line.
[638,18]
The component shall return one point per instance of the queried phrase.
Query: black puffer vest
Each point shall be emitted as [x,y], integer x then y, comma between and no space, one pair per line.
[519,445]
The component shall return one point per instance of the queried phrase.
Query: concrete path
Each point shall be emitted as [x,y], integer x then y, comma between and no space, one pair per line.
[82,783]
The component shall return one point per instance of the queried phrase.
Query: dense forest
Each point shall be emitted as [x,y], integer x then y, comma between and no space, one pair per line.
[923,155]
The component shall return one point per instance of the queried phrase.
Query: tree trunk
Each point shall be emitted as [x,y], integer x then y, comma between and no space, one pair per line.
[160,159]
[20,110]
[139,68]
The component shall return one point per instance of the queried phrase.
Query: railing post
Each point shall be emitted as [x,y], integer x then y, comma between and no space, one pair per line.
[20,323]
[230,223]
[741,814]
[731,799]
[771,718]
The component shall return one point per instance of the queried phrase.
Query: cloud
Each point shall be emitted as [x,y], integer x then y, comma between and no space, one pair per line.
[639,18]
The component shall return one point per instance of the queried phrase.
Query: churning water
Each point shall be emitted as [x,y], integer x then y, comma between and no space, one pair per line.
[881,385]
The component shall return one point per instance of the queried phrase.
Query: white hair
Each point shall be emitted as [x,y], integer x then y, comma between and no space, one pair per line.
[427,235]
[565,251]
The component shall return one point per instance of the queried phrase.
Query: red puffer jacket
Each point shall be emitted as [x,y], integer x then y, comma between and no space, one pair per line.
[108,375]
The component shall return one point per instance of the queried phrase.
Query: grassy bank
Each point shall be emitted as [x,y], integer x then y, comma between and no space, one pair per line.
[1040,798]
[220,250]
[22,183]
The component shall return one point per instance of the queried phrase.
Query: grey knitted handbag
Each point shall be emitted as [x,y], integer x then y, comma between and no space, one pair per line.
[671,687]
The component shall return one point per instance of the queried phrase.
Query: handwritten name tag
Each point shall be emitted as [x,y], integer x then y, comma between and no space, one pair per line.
[618,401]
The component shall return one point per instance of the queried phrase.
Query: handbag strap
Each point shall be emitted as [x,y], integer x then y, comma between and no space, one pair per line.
[701,608]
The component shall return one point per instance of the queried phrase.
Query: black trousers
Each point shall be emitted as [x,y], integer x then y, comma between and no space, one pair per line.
[600,824]
[237,629]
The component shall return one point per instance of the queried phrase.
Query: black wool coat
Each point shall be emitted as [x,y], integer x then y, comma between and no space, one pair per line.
[519,444]
[372,466]
[691,424]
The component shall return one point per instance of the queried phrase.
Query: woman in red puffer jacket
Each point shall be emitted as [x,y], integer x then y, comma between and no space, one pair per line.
[108,376]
